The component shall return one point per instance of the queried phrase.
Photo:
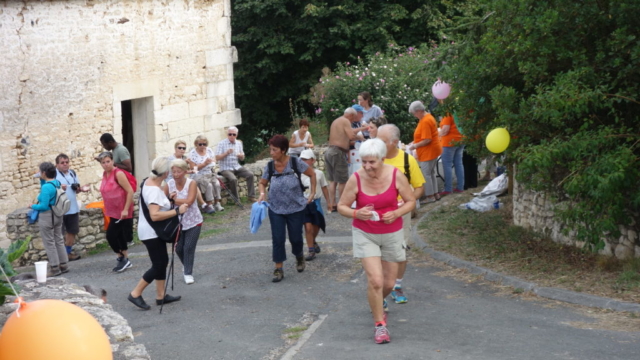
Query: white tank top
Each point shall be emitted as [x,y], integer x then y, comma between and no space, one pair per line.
[298,150]
[192,216]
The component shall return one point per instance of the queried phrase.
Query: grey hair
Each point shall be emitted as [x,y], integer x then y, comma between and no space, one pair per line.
[180,164]
[159,167]
[373,147]
[350,111]
[232,128]
[416,106]
[392,130]
[105,154]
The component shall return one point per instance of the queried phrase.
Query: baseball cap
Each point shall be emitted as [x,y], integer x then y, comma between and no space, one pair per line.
[358,108]
[307,154]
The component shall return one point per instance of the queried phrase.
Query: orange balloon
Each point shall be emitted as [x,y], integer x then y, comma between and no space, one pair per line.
[53,330]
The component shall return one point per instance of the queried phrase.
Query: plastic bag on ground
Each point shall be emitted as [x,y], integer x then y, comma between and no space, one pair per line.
[482,204]
[497,186]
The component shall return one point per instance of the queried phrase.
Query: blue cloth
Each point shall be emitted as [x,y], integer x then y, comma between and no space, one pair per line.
[68,179]
[258,213]
[32,216]
[47,196]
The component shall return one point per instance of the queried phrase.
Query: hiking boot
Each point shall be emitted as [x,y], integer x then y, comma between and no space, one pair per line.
[398,295]
[122,264]
[381,335]
[55,271]
[209,209]
[64,268]
[73,256]
[317,247]
[139,302]
[385,306]
[311,256]
[218,207]
[278,275]
[168,299]
[300,264]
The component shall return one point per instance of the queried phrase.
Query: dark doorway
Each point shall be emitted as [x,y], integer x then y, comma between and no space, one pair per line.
[127,130]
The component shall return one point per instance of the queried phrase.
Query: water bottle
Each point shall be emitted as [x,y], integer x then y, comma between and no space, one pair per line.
[497,205]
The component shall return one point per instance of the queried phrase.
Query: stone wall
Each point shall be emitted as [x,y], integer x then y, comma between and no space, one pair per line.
[116,327]
[67,66]
[91,234]
[535,210]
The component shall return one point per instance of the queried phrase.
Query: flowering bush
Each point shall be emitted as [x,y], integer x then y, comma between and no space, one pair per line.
[394,79]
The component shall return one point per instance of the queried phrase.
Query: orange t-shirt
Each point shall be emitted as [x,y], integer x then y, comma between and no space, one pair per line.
[453,135]
[427,129]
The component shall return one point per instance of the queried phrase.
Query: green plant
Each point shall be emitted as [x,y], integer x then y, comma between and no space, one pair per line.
[15,250]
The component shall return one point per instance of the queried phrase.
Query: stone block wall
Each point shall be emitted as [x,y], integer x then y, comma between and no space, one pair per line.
[91,234]
[535,210]
[67,66]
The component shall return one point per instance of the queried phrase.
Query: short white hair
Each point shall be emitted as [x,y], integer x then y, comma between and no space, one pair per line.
[392,130]
[160,167]
[350,111]
[416,106]
[232,128]
[373,147]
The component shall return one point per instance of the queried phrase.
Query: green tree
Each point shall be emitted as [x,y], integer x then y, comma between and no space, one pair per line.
[563,77]
[284,44]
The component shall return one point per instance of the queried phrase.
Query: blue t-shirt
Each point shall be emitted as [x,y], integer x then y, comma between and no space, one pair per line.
[373,112]
[68,179]
[285,195]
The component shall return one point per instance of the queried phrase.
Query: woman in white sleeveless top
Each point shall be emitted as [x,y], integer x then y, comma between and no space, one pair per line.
[301,139]
[183,190]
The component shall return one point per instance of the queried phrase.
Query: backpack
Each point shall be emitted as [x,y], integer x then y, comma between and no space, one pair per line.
[407,173]
[132,179]
[62,204]
[294,167]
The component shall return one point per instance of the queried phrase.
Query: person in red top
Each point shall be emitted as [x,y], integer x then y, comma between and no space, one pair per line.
[377,225]
[426,142]
[118,206]
[452,151]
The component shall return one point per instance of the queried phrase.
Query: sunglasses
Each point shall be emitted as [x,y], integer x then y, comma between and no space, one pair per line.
[202,144]
[181,148]
[230,134]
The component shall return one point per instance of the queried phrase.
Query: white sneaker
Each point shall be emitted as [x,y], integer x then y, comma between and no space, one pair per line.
[218,207]
[188,279]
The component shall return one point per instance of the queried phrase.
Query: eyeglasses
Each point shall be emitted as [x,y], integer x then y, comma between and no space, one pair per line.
[182,148]
[202,144]
[64,162]
[231,134]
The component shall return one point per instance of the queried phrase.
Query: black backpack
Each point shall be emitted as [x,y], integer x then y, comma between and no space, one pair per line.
[407,173]
[294,167]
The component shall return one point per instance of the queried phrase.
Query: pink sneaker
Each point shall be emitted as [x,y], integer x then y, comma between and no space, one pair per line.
[457,191]
[445,193]
[381,335]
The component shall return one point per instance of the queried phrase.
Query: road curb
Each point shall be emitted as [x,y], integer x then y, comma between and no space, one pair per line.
[545,292]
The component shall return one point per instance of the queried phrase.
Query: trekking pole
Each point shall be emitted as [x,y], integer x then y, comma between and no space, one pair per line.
[170,270]
[235,199]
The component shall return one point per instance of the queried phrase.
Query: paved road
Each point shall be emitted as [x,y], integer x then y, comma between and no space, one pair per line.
[233,311]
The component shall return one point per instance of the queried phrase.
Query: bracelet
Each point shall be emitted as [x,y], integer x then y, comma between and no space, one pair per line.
[354,214]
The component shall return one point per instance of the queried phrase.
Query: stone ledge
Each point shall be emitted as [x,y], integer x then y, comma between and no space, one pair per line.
[116,327]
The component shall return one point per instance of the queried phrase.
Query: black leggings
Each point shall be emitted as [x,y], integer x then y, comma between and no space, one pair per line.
[119,234]
[159,260]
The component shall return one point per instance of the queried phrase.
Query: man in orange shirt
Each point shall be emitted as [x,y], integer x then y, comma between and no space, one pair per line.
[427,144]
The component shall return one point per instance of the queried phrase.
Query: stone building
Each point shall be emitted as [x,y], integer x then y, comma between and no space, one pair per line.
[148,71]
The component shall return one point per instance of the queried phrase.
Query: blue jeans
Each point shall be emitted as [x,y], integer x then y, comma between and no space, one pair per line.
[280,224]
[452,157]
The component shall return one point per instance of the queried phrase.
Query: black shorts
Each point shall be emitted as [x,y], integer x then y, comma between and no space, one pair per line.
[71,223]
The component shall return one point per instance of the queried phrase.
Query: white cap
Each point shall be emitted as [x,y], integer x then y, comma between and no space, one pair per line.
[307,154]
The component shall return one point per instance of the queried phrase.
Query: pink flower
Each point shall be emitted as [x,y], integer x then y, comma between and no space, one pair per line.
[318,111]
[360,78]
[401,55]
[353,101]
[348,63]
[337,77]
[382,80]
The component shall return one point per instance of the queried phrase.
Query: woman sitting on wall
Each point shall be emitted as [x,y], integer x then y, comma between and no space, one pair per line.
[203,159]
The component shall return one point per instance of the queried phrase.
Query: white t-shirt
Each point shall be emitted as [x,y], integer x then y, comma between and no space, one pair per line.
[321,182]
[152,195]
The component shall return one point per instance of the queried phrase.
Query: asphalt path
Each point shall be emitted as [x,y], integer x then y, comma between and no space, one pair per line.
[234,311]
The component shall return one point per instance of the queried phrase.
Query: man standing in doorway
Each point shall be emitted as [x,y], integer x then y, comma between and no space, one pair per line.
[390,134]
[70,221]
[228,152]
[121,156]
[335,157]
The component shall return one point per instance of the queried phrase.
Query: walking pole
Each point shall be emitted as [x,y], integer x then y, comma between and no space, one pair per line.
[170,270]
[235,199]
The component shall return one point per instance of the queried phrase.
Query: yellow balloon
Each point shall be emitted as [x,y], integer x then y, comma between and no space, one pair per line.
[498,140]
[53,330]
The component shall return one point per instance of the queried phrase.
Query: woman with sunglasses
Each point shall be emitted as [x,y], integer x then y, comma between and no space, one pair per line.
[203,160]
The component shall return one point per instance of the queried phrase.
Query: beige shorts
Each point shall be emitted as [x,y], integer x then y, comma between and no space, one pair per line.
[390,247]
[406,228]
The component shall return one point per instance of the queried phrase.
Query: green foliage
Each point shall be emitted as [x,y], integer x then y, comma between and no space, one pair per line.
[563,77]
[15,250]
[394,78]
[284,44]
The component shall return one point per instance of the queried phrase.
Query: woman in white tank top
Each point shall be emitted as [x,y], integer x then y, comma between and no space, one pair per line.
[301,139]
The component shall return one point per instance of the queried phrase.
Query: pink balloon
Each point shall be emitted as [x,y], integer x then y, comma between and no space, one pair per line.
[441,90]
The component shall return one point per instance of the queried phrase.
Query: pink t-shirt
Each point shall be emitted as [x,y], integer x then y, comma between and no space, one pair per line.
[383,203]
[114,196]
